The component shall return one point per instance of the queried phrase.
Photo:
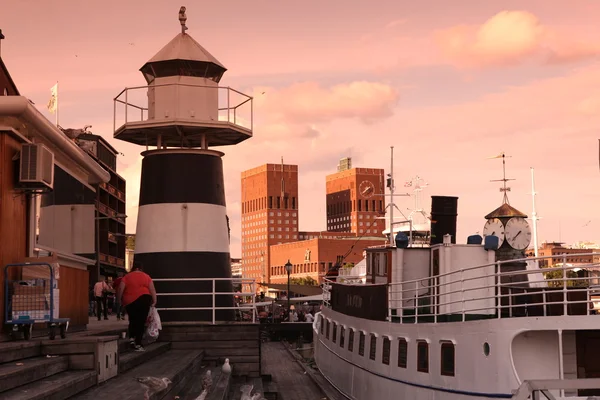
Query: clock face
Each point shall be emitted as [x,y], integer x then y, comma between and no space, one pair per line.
[366,189]
[494,227]
[518,233]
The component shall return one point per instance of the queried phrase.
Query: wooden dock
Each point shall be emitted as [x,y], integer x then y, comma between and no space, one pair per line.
[290,379]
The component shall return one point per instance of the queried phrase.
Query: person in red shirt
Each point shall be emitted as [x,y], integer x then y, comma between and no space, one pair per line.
[137,294]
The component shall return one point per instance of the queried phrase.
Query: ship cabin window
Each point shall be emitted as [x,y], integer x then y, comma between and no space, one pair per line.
[342,336]
[377,263]
[447,359]
[334,333]
[422,356]
[385,355]
[402,352]
[351,340]
[322,324]
[361,344]
[327,330]
[373,347]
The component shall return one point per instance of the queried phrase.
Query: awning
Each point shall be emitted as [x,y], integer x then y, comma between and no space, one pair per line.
[304,290]
[316,297]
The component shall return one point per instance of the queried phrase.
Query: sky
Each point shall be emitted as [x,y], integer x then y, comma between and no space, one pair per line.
[448,84]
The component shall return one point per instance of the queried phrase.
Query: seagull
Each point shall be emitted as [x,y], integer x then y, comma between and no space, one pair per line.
[152,384]
[207,381]
[226,369]
[246,390]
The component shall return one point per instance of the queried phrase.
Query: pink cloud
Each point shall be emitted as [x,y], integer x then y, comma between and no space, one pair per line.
[512,37]
[308,102]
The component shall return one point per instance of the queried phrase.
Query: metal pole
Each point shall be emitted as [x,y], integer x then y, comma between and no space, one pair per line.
[534,215]
[97,233]
[288,296]
[392,198]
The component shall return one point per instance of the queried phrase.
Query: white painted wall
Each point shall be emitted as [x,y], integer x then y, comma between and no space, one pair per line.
[188,102]
[416,264]
[535,354]
[68,228]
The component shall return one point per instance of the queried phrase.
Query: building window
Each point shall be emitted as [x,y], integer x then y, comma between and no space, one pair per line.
[385,356]
[422,356]
[361,344]
[327,330]
[351,340]
[447,364]
[373,347]
[294,204]
[402,352]
[334,335]
[278,202]
[342,331]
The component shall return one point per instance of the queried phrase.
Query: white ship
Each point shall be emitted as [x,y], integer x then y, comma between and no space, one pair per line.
[463,321]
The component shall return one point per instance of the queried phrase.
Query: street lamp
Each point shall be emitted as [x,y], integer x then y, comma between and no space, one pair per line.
[288,268]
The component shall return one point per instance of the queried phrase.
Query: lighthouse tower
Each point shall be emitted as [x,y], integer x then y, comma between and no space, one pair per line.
[182,227]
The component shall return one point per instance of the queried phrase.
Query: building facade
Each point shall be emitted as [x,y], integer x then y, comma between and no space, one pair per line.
[269,215]
[355,199]
[549,249]
[314,257]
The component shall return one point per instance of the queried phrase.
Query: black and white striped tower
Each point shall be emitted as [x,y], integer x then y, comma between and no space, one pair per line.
[182,228]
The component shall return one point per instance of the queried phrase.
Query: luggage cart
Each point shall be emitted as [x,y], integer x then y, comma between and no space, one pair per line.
[31,296]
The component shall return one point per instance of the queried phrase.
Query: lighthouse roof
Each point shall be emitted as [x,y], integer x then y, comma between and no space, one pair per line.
[184,47]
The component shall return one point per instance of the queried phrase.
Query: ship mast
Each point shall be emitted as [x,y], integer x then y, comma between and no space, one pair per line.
[534,217]
[392,205]
[505,189]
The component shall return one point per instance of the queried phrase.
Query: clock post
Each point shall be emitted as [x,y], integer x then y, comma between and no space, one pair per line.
[182,237]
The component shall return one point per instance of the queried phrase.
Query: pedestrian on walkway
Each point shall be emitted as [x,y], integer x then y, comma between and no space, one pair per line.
[137,294]
[116,284]
[101,290]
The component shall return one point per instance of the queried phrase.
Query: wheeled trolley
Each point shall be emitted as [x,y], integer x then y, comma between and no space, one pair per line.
[31,296]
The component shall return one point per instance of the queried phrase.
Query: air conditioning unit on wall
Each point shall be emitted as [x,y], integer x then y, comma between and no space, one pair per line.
[36,167]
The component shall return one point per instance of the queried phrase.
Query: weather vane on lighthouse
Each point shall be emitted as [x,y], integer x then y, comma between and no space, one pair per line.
[505,189]
[182,237]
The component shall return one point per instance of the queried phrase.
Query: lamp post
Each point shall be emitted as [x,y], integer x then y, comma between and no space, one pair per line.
[288,268]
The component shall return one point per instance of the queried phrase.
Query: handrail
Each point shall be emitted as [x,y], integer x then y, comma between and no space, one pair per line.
[534,388]
[486,290]
[243,281]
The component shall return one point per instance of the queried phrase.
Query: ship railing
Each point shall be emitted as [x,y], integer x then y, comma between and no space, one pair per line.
[244,301]
[486,291]
[541,389]
[131,104]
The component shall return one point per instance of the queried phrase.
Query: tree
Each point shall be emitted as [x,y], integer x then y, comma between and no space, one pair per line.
[307,281]
[569,274]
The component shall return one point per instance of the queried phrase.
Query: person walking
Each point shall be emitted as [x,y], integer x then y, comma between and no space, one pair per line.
[137,294]
[101,289]
[116,284]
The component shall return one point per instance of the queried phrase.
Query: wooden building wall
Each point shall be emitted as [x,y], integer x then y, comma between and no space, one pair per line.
[74,298]
[13,211]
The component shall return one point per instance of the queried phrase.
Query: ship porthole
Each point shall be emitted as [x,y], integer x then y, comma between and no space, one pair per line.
[486,349]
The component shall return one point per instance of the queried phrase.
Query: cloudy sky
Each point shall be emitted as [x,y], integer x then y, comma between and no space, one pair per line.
[448,83]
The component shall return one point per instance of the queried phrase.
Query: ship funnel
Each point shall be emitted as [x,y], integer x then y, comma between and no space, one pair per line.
[444,210]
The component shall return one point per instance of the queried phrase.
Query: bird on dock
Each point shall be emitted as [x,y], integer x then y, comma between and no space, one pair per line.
[226,369]
[152,384]
[246,390]
[207,381]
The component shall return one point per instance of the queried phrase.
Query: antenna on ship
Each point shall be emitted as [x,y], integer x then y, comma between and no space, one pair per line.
[391,205]
[505,189]
[534,216]
[418,187]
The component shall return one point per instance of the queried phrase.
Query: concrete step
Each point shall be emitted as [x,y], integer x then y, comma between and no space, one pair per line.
[176,365]
[56,387]
[12,351]
[32,369]
[131,359]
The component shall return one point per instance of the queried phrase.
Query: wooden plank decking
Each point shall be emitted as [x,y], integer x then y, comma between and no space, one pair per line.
[291,381]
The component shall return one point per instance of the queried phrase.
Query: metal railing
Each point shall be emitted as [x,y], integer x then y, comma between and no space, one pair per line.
[488,291]
[540,389]
[241,307]
[233,106]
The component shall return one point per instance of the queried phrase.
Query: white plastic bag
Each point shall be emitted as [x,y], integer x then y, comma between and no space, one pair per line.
[153,324]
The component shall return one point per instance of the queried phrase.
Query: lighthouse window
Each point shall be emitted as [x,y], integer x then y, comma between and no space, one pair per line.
[402,352]
[334,335]
[373,347]
[422,356]
[361,344]
[447,362]
[322,324]
[342,336]
[351,340]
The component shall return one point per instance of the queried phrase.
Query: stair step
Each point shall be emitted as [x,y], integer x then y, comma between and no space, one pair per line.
[33,369]
[176,365]
[56,387]
[193,388]
[124,345]
[12,351]
[236,394]
[220,387]
[132,359]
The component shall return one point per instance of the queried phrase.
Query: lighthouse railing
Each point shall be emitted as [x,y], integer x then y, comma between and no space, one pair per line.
[242,306]
[232,105]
